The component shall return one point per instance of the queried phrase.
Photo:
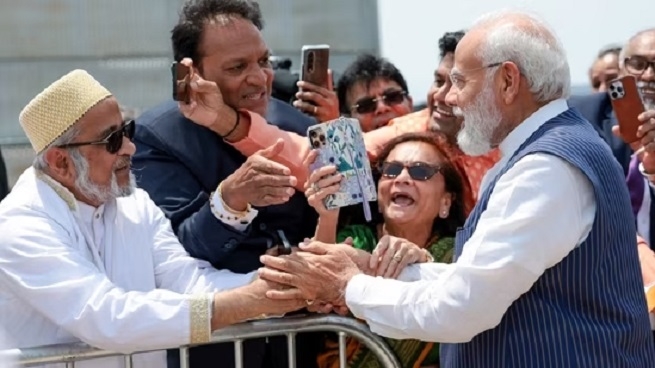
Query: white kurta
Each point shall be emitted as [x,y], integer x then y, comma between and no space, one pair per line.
[115,277]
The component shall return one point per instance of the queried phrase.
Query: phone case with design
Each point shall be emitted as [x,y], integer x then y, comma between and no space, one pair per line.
[340,142]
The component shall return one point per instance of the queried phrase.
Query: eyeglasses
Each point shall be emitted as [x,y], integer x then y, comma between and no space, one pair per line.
[457,79]
[113,142]
[637,65]
[417,170]
[369,104]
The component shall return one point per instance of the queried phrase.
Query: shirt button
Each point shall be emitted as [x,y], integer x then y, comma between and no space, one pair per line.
[97,215]
[231,243]
[262,227]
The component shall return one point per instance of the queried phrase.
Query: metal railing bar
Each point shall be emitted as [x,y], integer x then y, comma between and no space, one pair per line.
[291,349]
[249,330]
[342,350]
[238,353]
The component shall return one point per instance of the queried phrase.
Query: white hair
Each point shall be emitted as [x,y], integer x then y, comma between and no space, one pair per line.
[69,136]
[534,49]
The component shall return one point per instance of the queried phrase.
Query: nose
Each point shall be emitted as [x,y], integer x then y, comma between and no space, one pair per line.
[381,106]
[649,73]
[257,77]
[403,177]
[128,148]
[442,92]
[451,97]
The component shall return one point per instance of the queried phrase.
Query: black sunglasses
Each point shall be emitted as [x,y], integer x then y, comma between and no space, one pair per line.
[369,104]
[417,170]
[113,142]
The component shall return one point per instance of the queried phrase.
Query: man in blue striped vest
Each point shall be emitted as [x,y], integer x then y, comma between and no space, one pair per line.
[546,271]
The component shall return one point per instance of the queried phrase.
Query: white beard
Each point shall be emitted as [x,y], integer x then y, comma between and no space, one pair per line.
[649,104]
[94,191]
[481,119]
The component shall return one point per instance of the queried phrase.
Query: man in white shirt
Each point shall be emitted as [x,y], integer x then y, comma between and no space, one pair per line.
[546,271]
[84,255]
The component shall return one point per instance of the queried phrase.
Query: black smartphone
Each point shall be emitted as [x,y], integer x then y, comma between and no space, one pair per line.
[180,80]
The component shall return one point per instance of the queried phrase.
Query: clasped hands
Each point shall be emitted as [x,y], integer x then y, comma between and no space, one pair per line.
[318,273]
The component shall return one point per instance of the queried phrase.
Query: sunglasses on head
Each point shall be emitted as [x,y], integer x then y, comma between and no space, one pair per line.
[369,104]
[417,170]
[113,142]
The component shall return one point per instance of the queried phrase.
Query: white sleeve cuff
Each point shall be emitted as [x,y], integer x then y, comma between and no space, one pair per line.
[355,291]
[239,222]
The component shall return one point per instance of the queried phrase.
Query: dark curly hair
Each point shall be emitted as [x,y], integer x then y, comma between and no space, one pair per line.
[365,69]
[453,182]
[448,42]
[187,33]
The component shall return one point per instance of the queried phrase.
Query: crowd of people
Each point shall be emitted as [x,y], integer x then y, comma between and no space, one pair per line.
[512,226]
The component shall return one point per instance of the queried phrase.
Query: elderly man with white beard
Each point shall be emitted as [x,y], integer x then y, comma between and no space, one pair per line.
[84,255]
[546,272]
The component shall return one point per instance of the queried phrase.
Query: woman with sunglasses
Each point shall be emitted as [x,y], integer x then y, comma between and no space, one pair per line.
[420,198]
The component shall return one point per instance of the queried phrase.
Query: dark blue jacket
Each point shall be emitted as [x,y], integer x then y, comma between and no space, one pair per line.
[180,163]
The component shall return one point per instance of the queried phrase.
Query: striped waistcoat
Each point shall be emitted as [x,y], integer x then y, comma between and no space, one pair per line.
[589,310]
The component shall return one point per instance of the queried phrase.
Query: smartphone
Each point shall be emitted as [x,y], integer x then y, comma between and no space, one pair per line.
[627,105]
[314,64]
[340,142]
[180,74]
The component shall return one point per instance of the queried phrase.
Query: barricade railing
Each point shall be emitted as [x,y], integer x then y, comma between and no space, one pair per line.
[288,326]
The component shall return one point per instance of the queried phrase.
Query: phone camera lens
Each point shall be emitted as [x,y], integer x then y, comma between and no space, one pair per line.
[619,89]
[614,95]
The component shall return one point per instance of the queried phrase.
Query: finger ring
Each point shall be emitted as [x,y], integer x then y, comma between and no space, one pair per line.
[309,302]
[397,257]
[315,109]
[315,187]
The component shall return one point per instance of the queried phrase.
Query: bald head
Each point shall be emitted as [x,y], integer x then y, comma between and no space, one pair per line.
[642,44]
[528,42]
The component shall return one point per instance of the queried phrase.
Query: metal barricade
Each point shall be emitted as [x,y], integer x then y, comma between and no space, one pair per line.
[288,326]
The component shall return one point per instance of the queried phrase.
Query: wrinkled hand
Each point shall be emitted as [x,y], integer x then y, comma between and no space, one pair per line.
[206,106]
[392,255]
[321,183]
[260,287]
[322,103]
[323,307]
[319,272]
[275,251]
[259,181]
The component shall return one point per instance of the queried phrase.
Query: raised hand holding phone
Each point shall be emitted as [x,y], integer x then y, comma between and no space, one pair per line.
[202,101]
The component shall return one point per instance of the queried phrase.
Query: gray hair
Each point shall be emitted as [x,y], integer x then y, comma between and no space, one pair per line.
[535,49]
[69,136]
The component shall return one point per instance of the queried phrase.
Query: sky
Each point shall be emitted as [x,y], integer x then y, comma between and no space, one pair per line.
[410,29]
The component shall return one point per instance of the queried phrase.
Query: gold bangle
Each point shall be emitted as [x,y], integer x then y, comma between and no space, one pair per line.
[228,208]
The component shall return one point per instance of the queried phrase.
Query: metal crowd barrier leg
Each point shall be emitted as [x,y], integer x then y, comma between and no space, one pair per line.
[342,350]
[238,353]
[184,357]
[70,365]
[291,349]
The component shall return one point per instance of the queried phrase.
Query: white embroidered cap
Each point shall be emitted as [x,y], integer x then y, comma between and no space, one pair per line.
[52,112]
